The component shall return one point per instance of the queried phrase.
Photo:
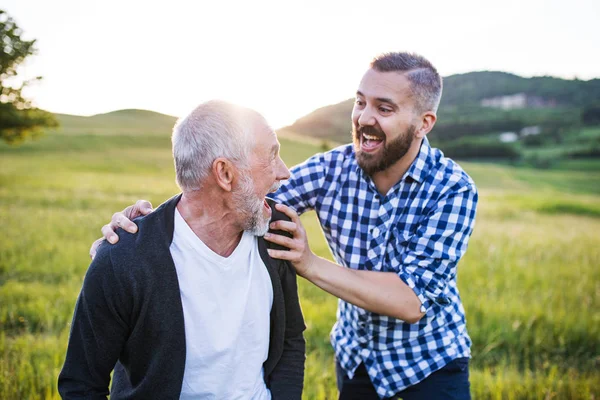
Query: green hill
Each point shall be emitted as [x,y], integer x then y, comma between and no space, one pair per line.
[476,108]
[121,122]
[327,123]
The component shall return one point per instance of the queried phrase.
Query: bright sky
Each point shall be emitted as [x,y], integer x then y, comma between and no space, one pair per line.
[283,58]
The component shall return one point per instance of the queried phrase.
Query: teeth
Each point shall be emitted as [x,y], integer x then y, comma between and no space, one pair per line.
[370,137]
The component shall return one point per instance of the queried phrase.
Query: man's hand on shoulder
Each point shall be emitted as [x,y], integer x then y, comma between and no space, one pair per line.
[122,219]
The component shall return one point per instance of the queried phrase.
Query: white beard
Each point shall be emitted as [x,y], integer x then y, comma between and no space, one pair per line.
[252,207]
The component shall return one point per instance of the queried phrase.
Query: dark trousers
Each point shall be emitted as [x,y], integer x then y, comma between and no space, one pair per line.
[449,383]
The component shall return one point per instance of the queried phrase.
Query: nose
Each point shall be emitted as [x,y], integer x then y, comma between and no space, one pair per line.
[283,172]
[365,117]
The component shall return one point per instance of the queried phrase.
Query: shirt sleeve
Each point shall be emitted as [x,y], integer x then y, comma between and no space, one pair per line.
[98,332]
[429,263]
[287,378]
[302,190]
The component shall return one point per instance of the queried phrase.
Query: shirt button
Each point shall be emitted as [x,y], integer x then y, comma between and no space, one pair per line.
[375,231]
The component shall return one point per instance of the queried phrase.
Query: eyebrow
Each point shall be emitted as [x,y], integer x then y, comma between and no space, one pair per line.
[379,99]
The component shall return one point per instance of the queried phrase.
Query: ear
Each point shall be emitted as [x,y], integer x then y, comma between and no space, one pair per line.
[425,124]
[223,172]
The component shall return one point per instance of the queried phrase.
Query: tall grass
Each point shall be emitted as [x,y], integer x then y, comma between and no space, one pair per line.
[530,281]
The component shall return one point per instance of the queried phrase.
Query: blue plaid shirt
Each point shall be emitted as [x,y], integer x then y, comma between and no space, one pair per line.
[419,231]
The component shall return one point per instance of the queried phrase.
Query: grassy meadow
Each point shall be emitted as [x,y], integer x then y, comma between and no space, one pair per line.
[530,281]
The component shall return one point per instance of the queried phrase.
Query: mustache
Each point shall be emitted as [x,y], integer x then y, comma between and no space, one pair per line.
[370,130]
[275,187]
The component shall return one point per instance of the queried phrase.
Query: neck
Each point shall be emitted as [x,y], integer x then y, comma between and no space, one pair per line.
[212,219]
[384,180]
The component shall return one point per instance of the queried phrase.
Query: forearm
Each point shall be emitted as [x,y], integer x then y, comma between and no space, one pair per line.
[379,292]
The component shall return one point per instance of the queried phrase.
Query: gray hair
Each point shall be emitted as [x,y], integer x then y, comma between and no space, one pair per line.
[425,82]
[213,129]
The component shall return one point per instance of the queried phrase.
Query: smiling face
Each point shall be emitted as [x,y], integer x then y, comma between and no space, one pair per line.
[383,120]
[264,176]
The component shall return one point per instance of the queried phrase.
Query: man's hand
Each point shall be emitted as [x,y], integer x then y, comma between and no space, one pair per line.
[299,253]
[122,220]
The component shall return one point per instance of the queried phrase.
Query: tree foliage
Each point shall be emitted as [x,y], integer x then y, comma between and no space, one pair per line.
[591,114]
[469,148]
[19,119]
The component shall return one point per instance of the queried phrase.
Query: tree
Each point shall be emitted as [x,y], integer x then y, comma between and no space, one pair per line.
[19,119]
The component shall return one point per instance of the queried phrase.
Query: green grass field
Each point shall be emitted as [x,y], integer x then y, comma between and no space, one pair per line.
[530,281]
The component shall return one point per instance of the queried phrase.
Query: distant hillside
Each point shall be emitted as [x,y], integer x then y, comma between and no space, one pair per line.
[471,88]
[483,115]
[122,122]
[461,112]
[326,123]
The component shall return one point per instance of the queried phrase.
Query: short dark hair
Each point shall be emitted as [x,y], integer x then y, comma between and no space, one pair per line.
[425,82]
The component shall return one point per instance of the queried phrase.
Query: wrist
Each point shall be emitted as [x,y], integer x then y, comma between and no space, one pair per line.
[309,271]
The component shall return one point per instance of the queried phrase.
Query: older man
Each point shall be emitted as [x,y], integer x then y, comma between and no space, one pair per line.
[398,216]
[192,306]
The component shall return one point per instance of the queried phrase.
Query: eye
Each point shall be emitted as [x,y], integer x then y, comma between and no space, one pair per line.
[385,110]
[359,102]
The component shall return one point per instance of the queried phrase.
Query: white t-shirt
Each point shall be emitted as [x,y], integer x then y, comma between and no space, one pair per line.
[226,308]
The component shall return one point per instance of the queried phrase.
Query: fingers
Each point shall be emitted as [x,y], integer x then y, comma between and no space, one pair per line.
[141,207]
[302,264]
[290,212]
[284,226]
[285,241]
[109,234]
[123,220]
[119,220]
[281,254]
[95,246]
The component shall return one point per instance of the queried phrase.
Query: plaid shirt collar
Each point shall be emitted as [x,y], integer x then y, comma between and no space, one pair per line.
[422,164]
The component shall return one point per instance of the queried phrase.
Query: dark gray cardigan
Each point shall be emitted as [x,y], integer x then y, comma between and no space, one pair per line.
[129,318]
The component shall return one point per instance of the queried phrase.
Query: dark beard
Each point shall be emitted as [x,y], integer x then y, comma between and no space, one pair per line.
[391,153]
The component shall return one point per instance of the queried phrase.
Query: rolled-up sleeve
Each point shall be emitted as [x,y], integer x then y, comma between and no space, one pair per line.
[430,260]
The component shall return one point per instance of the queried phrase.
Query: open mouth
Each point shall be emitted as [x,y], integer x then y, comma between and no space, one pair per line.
[267,207]
[370,143]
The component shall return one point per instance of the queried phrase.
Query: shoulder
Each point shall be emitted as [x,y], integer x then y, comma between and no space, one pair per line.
[153,238]
[339,157]
[276,215]
[448,176]
[341,152]
[126,247]
[102,278]
[113,261]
